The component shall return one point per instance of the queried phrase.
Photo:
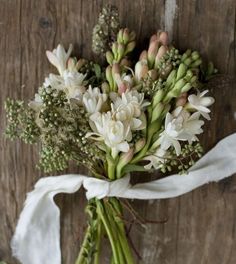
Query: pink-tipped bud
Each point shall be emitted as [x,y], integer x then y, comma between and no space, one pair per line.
[182,100]
[153,38]
[153,74]
[143,55]
[152,52]
[71,64]
[161,52]
[115,68]
[163,38]
[125,36]
[139,145]
[80,63]
[141,70]
[125,62]
[122,87]
[126,157]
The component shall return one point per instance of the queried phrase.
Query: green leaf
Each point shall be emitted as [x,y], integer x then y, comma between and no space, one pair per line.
[132,167]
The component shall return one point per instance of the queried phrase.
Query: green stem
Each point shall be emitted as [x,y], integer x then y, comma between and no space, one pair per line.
[81,258]
[98,242]
[102,213]
[122,233]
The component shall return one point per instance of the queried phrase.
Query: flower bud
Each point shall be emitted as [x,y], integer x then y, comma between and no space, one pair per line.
[152,52]
[80,63]
[125,158]
[182,100]
[71,64]
[186,55]
[120,36]
[109,57]
[143,55]
[161,52]
[139,145]
[186,88]
[157,110]
[114,48]
[141,70]
[196,63]
[195,55]
[115,69]
[163,38]
[130,47]
[125,62]
[181,71]
[171,78]
[125,36]
[109,74]
[153,38]
[153,74]
[132,36]
[120,51]
[188,61]
[179,85]
[158,97]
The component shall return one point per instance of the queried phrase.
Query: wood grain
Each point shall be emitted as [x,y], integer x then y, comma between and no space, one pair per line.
[200,226]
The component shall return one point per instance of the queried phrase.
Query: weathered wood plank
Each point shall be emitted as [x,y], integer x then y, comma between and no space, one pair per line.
[200,226]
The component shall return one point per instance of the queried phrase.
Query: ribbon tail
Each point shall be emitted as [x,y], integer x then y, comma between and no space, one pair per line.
[37,236]
[217,164]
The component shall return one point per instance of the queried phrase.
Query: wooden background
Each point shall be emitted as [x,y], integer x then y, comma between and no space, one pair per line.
[201,224]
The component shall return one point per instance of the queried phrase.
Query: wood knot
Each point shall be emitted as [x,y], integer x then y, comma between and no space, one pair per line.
[45,22]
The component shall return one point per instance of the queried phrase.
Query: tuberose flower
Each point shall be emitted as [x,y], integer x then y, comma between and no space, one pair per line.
[129,107]
[59,57]
[71,82]
[180,126]
[115,134]
[155,159]
[93,100]
[201,103]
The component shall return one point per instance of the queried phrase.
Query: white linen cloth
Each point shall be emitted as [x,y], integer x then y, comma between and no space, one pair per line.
[37,236]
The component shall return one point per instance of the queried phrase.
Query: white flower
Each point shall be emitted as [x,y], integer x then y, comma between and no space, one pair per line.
[180,126]
[114,133]
[71,82]
[59,57]
[155,159]
[201,103]
[93,100]
[129,108]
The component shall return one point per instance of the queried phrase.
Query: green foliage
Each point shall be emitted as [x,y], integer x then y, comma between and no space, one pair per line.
[189,154]
[21,121]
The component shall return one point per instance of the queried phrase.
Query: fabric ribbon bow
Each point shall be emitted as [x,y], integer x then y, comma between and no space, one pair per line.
[37,236]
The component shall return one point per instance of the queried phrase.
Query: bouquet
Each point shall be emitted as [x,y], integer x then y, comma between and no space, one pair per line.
[127,113]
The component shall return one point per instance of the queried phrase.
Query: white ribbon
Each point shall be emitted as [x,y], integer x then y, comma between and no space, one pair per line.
[37,236]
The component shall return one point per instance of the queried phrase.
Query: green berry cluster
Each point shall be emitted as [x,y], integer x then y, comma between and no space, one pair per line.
[21,121]
[189,153]
[149,86]
[170,60]
[53,159]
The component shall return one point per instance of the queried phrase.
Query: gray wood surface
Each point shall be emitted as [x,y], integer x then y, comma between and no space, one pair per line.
[200,226]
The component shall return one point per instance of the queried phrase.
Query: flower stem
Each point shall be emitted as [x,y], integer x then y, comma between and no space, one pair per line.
[102,213]
[98,244]
[81,259]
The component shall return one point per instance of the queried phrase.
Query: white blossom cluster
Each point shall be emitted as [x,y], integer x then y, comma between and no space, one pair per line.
[114,116]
